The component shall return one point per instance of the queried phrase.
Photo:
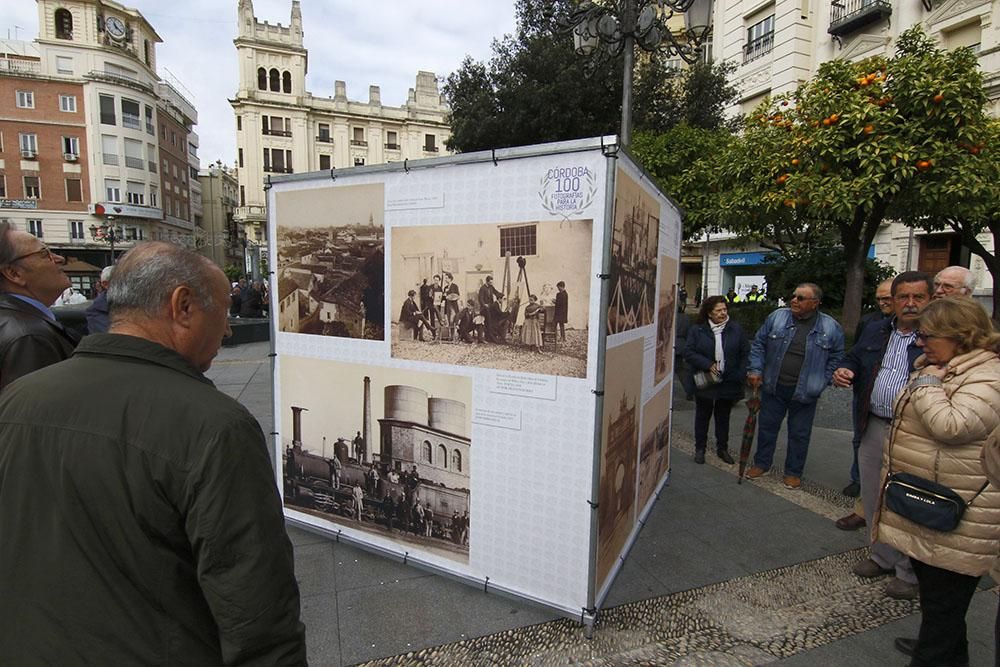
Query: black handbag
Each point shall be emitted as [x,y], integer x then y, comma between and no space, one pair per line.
[706,379]
[924,502]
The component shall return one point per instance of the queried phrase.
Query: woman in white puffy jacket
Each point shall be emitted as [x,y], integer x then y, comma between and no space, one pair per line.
[942,422]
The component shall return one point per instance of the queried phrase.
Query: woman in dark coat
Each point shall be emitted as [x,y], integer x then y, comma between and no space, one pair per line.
[716,345]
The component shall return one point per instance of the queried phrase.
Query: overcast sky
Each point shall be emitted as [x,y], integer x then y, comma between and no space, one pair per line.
[363,43]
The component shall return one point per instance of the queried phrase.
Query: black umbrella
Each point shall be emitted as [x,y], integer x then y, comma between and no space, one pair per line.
[749,428]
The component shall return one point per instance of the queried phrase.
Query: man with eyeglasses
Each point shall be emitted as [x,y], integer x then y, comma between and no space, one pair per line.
[792,357]
[953,281]
[31,279]
[878,367]
[883,299]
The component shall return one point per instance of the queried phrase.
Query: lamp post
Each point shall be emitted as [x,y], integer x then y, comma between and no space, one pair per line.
[106,232]
[616,27]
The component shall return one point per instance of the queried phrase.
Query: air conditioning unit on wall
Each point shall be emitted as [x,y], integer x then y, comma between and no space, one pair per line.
[28,154]
[71,157]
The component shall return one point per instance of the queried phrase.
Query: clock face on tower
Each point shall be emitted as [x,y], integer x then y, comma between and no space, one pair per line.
[114,27]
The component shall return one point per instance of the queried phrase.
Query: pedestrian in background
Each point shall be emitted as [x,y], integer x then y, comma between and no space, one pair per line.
[954,281]
[98,318]
[682,299]
[941,423]
[716,345]
[792,357]
[682,325]
[878,367]
[155,533]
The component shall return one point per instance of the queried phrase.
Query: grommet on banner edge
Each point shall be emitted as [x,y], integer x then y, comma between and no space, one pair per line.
[272,354]
[406,556]
[604,276]
[593,505]
[486,585]
[338,537]
[267,183]
[273,433]
[406,165]
[494,153]
[597,392]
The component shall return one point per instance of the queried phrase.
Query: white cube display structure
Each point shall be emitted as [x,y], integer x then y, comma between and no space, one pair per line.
[473,361]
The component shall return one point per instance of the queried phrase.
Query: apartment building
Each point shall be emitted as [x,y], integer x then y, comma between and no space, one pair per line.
[283,128]
[777,44]
[221,239]
[80,112]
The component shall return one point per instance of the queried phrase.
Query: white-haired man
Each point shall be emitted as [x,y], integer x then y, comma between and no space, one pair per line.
[953,281]
[98,318]
[31,279]
[153,532]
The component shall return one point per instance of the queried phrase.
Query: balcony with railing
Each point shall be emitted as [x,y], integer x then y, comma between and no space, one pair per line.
[847,16]
[276,133]
[150,129]
[152,167]
[324,138]
[133,162]
[275,169]
[758,47]
[250,214]
[119,79]
[110,158]
[431,149]
[358,142]
[18,66]
[392,147]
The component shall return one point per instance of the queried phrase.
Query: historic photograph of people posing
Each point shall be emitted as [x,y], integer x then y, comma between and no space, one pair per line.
[331,261]
[383,450]
[633,256]
[505,296]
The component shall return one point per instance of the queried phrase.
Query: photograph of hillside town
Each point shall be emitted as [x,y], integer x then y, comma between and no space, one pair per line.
[331,266]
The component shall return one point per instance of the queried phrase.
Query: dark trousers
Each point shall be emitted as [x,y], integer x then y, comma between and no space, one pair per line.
[773,408]
[944,600]
[856,441]
[704,409]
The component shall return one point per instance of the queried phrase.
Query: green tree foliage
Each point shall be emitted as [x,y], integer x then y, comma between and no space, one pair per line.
[535,89]
[857,143]
[823,265]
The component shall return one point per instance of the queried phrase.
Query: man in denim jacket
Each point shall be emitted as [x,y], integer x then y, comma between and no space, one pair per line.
[793,356]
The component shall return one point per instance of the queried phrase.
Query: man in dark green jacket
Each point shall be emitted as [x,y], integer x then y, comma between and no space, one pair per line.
[139,518]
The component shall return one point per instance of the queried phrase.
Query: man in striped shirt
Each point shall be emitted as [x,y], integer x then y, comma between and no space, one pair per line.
[881,361]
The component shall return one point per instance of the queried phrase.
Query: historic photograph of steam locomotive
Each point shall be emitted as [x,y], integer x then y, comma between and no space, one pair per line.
[331,261]
[505,296]
[634,248]
[385,450]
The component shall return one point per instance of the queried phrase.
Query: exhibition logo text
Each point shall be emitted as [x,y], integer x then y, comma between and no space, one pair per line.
[567,191]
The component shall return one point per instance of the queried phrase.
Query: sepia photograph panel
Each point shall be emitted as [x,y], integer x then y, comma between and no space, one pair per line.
[619,451]
[383,450]
[635,243]
[654,448]
[504,296]
[665,314]
[331,261]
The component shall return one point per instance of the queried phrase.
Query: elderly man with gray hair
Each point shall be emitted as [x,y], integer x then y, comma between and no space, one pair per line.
[149,531]
[98,318]
[31,279]
[953,281]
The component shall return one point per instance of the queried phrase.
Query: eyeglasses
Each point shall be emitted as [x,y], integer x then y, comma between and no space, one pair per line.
[43,252]
[799,297]
[923,335]
[884,299]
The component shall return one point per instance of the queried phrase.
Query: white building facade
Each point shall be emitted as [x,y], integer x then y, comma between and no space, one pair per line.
[283,128]
[778,44]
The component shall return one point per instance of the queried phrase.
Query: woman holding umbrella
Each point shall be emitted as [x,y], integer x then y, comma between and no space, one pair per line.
[942,422]
[717,353]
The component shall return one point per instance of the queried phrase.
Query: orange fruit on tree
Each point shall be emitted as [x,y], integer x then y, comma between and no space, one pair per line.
[834,118]
[795,162]
[924,165]
[790,203]
[938,99]
[826,122]
[781,179]
[869,129]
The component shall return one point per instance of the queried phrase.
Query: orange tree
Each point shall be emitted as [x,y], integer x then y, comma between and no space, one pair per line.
[856,144]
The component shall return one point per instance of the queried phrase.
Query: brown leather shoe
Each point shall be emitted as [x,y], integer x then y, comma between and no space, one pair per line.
[792,482]
[755,472]
[851,522]
[901,590]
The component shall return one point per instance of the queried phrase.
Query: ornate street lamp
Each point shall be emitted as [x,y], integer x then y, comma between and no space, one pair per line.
[106,232]
[615,27]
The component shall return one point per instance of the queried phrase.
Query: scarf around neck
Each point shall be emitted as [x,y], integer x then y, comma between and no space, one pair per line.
[717,332]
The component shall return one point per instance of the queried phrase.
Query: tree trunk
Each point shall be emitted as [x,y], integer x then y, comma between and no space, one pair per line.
[991,260]
[854,283]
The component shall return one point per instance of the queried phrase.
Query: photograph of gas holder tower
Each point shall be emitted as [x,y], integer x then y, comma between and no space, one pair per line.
[383,450]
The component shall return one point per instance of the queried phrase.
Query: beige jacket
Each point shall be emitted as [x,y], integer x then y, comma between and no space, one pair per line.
[938,433]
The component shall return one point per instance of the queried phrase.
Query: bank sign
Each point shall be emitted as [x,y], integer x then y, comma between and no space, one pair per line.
[567,190]
[18,203]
